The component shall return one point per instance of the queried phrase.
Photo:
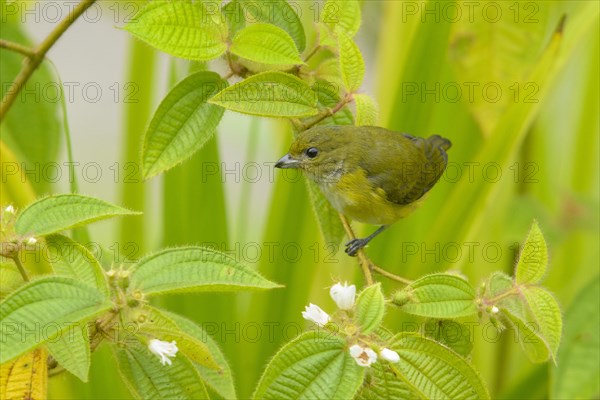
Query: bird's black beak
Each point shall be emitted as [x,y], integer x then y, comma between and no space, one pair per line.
[287,162]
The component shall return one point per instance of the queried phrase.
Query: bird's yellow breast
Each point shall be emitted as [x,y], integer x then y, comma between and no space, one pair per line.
[356,197]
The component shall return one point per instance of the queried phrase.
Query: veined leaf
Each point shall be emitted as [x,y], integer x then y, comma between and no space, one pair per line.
[533,260]
[71,259]
[184,29]
[314,365]
[366,110]
[162,327]
[528,334]
[26,377]
[234,14]
[183,123]
[64,211]
[352,66]
[576,374]
[440,296]
[452,334]
[278,13]
[327,217]
[342,15]
[265,44]
[47,306]
[193,269]
[72,351]
[328,97]
[382,384]
[11,279]
[147,378]
[546,314]
[435,371]
[221,381]
[269,94]
[370,307]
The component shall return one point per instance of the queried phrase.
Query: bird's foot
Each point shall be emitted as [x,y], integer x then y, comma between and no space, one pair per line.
[353,246]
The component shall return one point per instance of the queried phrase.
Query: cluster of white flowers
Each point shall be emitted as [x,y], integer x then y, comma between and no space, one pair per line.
[344,296]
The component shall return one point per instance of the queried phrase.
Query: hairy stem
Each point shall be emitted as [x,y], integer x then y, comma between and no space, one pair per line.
[21,267]
[389,275]
[17,48]
[327,113]
[35,58]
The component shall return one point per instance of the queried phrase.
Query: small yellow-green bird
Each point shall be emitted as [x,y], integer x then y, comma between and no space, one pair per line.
[368,173]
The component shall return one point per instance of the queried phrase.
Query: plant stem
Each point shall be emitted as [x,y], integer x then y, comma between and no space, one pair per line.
[35,59]
[312,53]
[20,267]
[363,260]
[327,113]
[17,48]
[389,275]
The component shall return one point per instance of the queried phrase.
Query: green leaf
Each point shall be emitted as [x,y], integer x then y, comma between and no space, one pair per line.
[11,279]
[72,351]
[147,378]
[352,66]
[234,14]
[533,260]
[342,15]
[528,335]
[314,365]
[382,384]
[440,296]
[64,211]
[162,327]
[47,306]
[327,217]
[278,13]
[269,94]
[435,371]
[265,44]
[370,307]
[546,313]
[183,123]
[221,381]
[576,374]
[328,97]
[452,334]
[71,259]
[35,141]
[366,110]
[183,29]
[194,269]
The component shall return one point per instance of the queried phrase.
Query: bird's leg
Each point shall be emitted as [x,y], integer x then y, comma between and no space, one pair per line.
[356,244]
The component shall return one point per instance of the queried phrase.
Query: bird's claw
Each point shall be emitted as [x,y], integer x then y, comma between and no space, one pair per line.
[353,246]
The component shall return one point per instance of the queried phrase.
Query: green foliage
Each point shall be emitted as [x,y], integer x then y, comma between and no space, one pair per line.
[352,66]
[182,28]
[533,259]
[342,15]
[72,351]
[57,213]
[366,110]
[270,94]
[453,334]
[50,301]
[370,308]
[183,123]
[194,269]
[438,296]
[314,365]
[266,44]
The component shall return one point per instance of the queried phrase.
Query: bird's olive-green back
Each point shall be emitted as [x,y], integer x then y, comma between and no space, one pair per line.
[404,166]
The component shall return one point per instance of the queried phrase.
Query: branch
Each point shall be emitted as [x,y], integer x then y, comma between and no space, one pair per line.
[17,48]
[363,260]
[328,112]
[34,60]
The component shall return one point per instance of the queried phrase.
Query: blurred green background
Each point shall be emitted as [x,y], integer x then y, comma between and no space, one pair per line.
[530,151]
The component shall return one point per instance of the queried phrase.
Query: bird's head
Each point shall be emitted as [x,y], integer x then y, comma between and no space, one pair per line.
[320,152]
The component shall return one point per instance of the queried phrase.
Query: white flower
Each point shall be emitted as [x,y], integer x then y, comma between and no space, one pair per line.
[494,310]
[389,355]
[9,209]
[364,356]
[314,314]
[163,350]
[343,295]
[31,241]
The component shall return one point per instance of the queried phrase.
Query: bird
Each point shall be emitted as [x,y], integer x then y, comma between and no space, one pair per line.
[368,173]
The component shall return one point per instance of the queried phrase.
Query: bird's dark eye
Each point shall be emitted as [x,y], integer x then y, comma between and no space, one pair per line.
[312,152]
